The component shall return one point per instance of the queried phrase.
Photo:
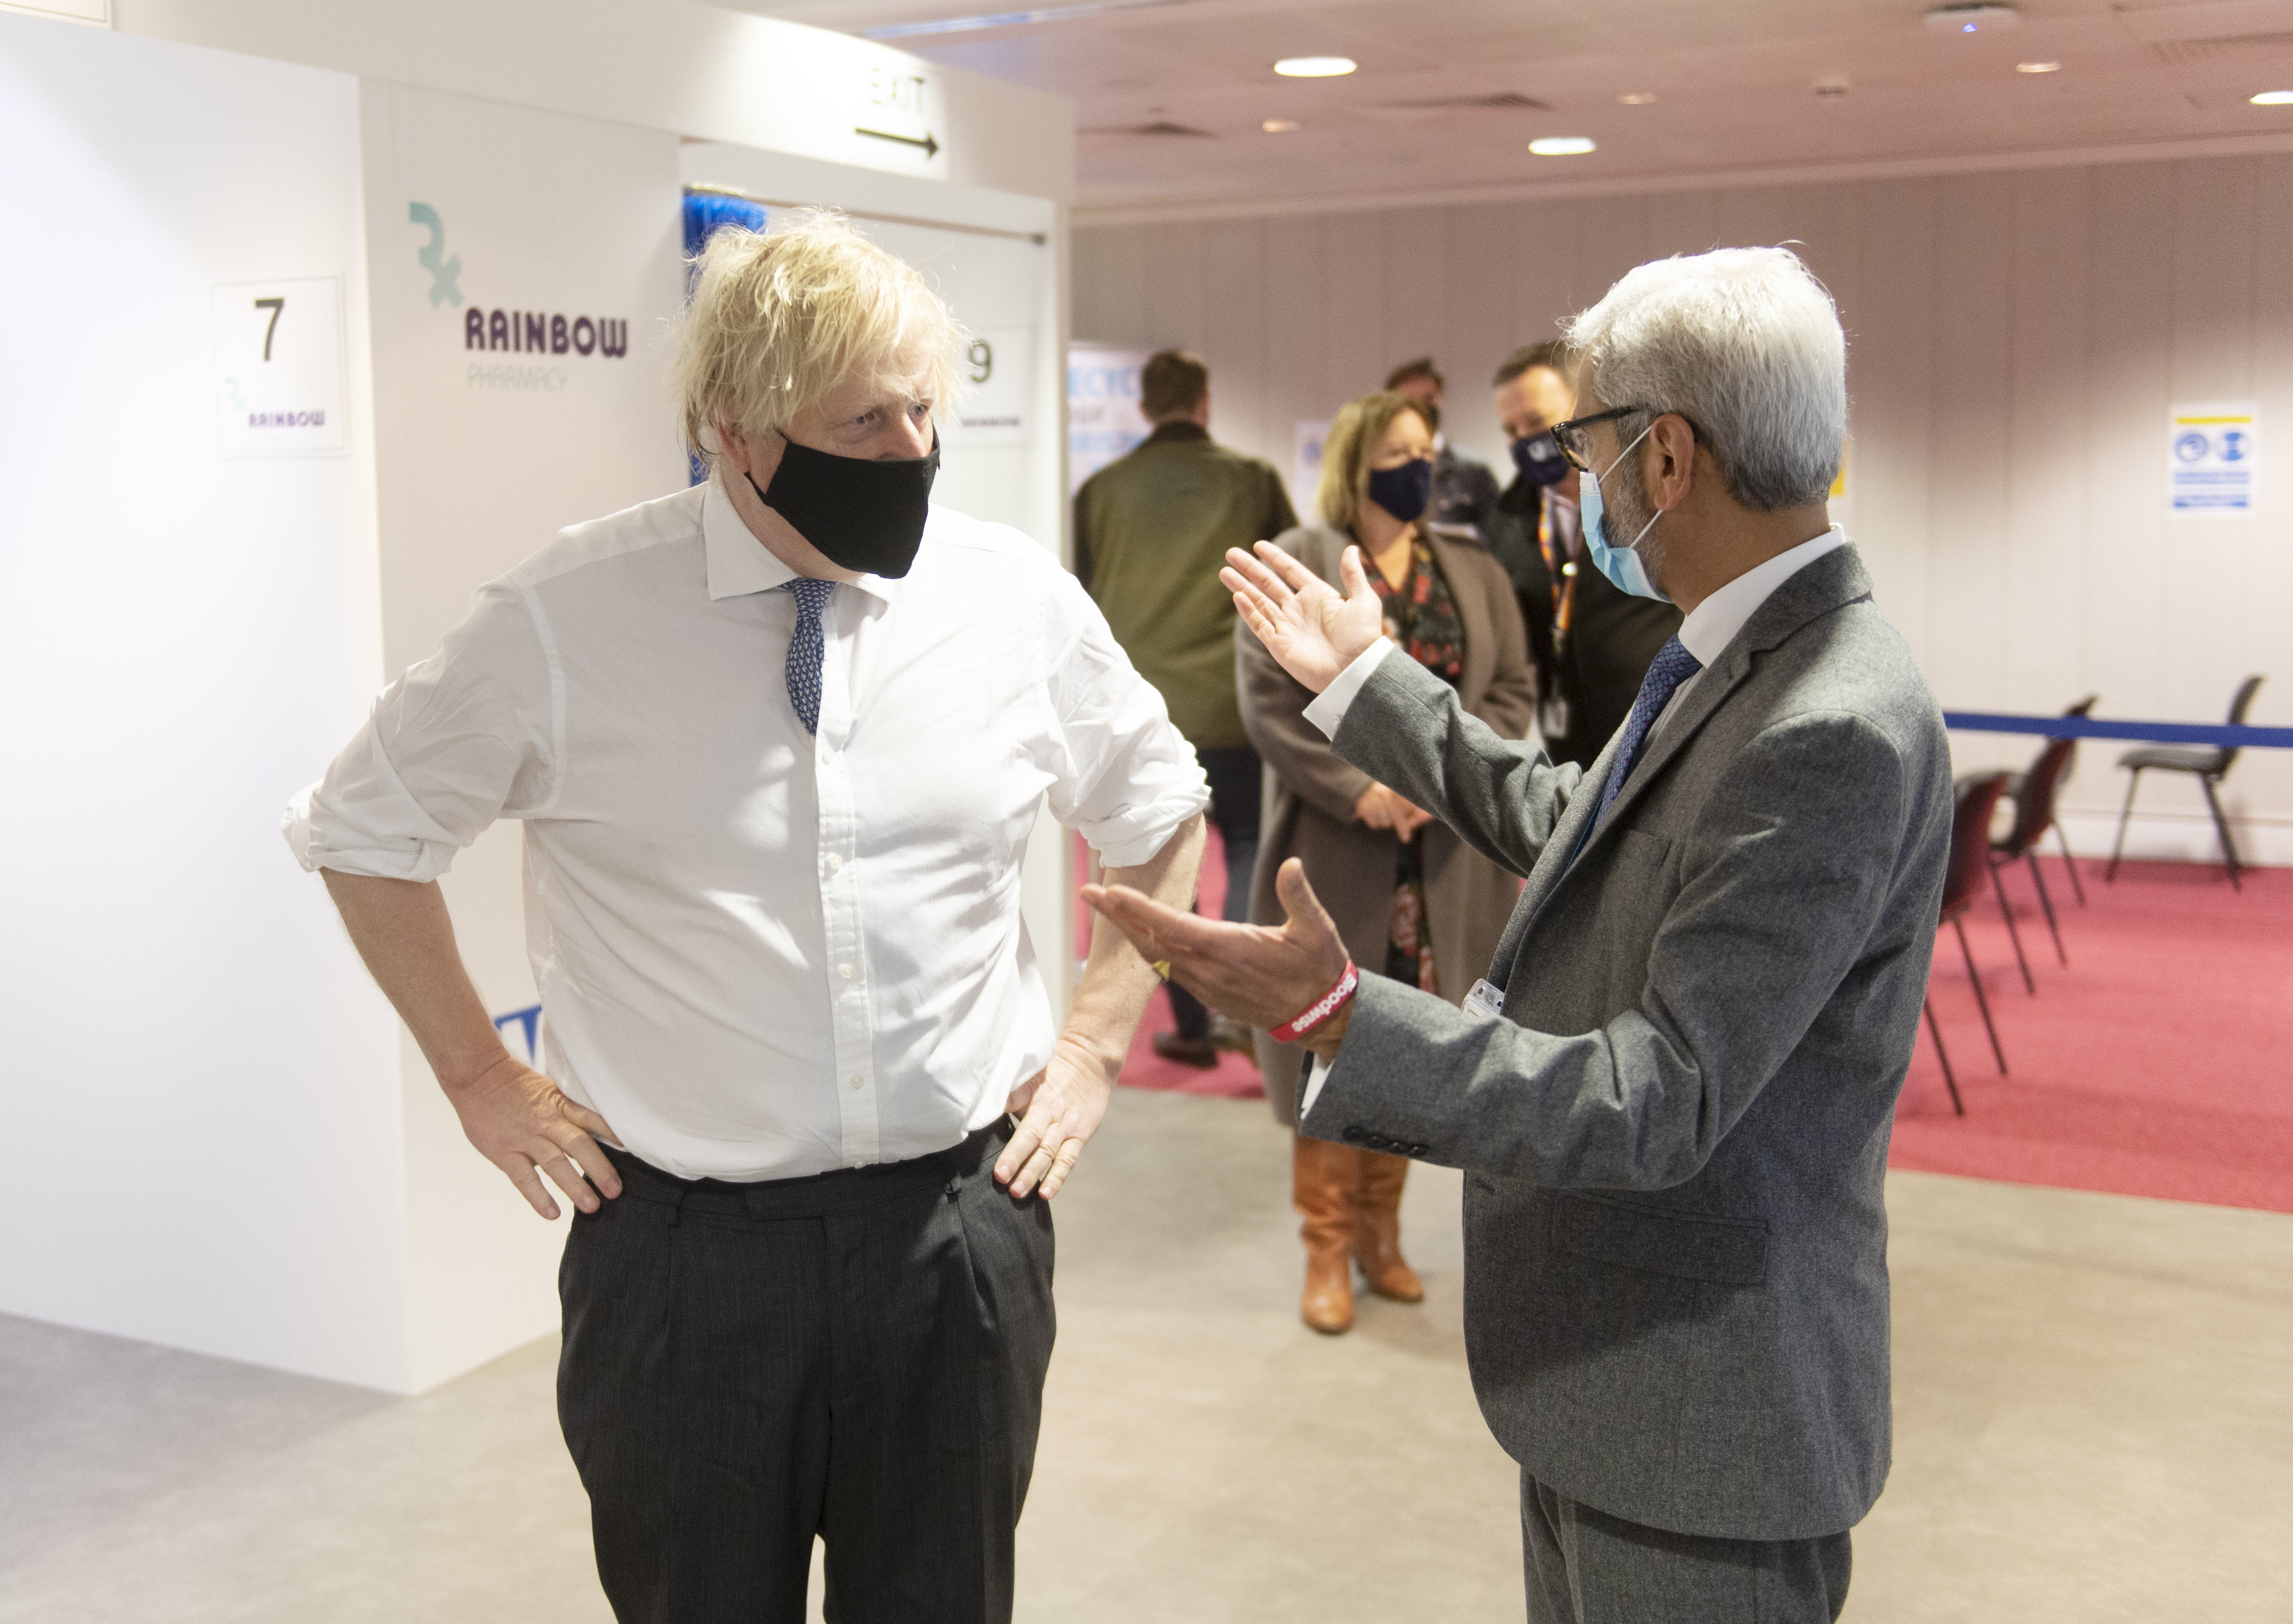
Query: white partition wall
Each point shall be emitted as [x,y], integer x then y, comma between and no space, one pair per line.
[200,1088]
[223,1139]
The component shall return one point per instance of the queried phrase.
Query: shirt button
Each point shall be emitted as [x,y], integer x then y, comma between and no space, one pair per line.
[835,863]
[826,754]
[845,970]
[858,1080]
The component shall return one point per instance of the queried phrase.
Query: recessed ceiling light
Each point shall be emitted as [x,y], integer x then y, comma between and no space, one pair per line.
[1978,18]
[1279,127]
[1637,98]
[1562,146]
[1832,87]
[2273,98]
[1314,67]
[2038,66]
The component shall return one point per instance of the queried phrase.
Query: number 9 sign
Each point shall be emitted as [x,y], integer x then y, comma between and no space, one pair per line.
[980,356]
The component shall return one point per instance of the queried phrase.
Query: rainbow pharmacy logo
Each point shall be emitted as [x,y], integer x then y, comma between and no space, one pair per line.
[526,332]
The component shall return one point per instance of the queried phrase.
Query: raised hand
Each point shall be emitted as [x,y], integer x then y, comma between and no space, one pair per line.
[1311,631]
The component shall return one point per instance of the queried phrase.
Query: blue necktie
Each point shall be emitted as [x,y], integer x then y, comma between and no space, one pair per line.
[806,650]
[1671,665]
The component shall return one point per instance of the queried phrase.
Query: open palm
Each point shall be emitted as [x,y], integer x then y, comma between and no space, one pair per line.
[1312,631]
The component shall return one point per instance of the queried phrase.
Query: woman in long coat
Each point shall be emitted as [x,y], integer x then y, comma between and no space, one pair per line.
[1410,898]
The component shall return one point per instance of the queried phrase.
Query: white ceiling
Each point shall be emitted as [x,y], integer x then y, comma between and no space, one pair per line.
[1733,81]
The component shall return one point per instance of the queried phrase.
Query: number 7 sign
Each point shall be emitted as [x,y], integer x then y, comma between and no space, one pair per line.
[279,367]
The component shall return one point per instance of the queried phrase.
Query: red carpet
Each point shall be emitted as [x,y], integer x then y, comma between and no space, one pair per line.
[2159,1063]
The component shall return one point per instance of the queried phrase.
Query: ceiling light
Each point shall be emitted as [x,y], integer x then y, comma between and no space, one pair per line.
[2273,98]
[1973,19]
[1314,67]
[2038,66]
[1562,146]
[1279,127]
[1637,98]
[1832,87]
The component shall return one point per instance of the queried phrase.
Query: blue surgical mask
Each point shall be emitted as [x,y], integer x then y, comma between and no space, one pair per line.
[1405,491]
[1621,565]
[1539,461]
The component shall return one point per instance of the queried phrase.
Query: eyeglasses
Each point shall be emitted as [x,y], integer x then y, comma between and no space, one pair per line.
[1569,436]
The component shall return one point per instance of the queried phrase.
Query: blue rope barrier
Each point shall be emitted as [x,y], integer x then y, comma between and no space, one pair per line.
[2146,733]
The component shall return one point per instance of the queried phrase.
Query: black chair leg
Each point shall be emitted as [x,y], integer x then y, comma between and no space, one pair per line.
[2007,913]
[2133,783]
[2070,862]
[1980,1003]
[1934,1030]
[2038,879]
[2221,827]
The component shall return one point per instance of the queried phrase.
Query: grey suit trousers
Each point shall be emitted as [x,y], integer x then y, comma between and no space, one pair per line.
[858,1355]
[1586,1567]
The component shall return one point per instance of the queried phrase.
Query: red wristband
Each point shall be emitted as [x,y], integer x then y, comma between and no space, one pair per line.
[1320,1009]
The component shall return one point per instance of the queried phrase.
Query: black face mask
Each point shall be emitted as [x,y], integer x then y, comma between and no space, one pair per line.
[1539,460]
[863,514]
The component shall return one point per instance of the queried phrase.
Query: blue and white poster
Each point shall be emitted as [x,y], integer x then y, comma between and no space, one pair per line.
[2210,449]
[1103,416]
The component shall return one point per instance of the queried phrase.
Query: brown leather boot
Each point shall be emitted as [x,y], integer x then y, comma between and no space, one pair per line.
[1323,1181]
[1377,1228]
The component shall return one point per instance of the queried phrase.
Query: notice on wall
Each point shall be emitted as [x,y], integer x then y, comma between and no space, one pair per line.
[279,368]
[2210,460]
[1306,438]
[1103,417]
[999,385]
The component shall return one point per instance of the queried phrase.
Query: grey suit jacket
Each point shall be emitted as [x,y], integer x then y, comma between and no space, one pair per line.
[1676,1265]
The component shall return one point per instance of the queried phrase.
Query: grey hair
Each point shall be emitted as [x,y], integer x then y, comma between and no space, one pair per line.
[1747,346]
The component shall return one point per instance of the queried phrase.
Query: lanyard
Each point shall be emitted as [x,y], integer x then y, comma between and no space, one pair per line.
[1563,572]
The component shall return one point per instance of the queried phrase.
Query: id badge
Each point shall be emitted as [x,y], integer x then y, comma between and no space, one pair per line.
[1487,1000]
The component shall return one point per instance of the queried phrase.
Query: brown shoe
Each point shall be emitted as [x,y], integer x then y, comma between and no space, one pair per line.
[1323,1177]
[1195,1052]
[1377,1230]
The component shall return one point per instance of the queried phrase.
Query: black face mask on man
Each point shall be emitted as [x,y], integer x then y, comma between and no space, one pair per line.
[1537,458]
[862,514]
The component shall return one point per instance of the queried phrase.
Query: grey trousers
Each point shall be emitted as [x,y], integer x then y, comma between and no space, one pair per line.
[858,1355]
[1586,1567]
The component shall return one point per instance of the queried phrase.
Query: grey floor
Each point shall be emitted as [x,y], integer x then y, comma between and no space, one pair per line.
[2095,1421]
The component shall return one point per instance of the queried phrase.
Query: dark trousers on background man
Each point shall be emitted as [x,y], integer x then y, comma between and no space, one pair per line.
[1233,774]
[858,1355]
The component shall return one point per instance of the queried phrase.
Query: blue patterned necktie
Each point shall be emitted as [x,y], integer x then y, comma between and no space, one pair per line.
[806,650]
[1671,665]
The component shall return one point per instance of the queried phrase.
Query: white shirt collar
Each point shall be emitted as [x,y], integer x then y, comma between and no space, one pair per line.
[739,564]
[1715,622]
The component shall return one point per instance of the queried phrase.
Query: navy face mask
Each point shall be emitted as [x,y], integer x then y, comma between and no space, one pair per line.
[1405,491]
[863,515]
[1539,460]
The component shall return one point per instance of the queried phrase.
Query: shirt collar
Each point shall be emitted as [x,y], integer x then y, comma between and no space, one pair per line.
[739,564]
[1715,621]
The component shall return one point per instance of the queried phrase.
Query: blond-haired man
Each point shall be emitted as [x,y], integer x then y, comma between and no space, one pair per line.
[778,741]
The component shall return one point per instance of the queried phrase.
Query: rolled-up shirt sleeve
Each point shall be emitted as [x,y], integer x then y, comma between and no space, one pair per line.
[1127,779]
[464,737]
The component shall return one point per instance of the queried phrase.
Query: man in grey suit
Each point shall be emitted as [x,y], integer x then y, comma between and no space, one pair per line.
[1672,1107]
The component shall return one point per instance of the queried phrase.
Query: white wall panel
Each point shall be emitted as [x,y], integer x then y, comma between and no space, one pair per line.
[2015,341]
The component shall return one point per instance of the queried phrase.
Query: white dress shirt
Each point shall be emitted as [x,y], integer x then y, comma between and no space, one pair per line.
[764,954]
[1705,632]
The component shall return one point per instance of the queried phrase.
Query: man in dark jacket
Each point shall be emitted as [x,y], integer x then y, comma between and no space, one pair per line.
[1150,529]
[1591,644]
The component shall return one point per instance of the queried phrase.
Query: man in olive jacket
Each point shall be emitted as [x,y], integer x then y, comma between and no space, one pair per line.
[1673,1106]
[1150,529]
